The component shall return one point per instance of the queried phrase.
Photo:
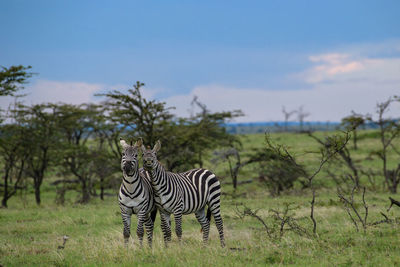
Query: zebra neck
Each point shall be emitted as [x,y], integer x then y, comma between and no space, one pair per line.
[158,175]
[131,182]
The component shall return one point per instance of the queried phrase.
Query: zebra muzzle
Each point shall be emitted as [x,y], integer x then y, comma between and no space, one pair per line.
[128,168]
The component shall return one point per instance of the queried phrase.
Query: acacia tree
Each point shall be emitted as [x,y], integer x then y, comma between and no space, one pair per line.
[133,116]
[184,140]
[352,123]
[103,159]
[12,145]
[137,116]
[76,123]
[206,131]
[40,122]
[12,134]
[12,78]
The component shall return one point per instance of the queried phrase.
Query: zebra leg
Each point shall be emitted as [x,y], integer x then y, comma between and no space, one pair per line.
[205,224]
[166,227]
[140,230]
[216,212]
[126,220]
[178,225]
[149,224]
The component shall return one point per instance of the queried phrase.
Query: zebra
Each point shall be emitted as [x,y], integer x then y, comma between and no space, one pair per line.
[184,193]
[136,194]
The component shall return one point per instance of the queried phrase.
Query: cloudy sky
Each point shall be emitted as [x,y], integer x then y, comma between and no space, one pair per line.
[331,57]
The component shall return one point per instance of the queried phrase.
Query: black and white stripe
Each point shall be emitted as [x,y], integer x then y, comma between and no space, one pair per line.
[136,194]
[184,193]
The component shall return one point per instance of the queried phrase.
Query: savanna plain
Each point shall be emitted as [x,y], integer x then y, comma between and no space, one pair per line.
[31,235]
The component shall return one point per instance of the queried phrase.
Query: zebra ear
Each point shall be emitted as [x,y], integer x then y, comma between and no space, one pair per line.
[157,146]
[143,148]
[139,143]
[123,143]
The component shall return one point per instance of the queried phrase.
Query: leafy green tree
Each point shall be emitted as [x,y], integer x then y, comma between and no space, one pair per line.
[233,156]
[12,134]
[352,123]
[76,123]
[105,161]
[13,153]
[184,140]
[42,142]
[12,78]
[204,132]
[137,116]
[278,169]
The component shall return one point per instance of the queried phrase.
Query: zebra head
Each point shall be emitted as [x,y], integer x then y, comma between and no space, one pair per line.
[129,160]
[150,156]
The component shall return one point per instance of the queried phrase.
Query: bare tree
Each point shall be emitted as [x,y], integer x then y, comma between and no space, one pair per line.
[351,208]
[345,155]
[389,130]
[287,115]
[281,221]
[233,157]
[393,202]
[332,145]
[301,115]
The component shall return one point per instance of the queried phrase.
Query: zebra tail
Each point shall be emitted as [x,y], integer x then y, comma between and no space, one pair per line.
[208,214]
[153,215]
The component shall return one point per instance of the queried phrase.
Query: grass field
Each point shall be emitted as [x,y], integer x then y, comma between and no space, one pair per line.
[30,235]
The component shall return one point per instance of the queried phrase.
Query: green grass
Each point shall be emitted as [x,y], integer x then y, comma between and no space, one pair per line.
[30,235]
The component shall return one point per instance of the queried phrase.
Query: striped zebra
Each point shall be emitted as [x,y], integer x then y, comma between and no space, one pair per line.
[184,193]
[136,194]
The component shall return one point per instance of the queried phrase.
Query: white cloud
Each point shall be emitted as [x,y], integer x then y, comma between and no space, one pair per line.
[338,84]
[66,92]
[46,91]
[332,66]
[43,91]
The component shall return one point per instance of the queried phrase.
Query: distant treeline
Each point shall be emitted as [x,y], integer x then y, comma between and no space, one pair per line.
[281,126]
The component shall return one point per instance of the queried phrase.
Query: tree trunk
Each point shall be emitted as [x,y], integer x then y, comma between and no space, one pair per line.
[5,196]
[4,201]
[85,192]
[355,139]
[234,178]
[102,188]
[393,180]
[393,189]
[37,194]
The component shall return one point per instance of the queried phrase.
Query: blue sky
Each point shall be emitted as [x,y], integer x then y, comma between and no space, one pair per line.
[253,55]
